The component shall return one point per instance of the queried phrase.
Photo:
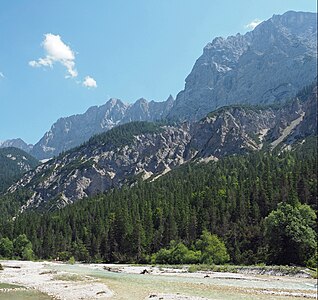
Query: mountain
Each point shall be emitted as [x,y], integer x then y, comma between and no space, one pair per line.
[72,131]
[13,163]
[17,143]
[142,150]
[267,65]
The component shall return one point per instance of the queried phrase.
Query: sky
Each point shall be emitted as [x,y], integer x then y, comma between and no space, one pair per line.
[58,58]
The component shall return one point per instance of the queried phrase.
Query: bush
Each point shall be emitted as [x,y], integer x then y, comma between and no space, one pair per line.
[6,247]
[209,250]
[23,247]
[290,234]
[212,248]
[71,261]
[178,253]
[27,254]
[63,256]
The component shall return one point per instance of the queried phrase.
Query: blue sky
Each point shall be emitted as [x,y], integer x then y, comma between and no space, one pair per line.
[57,58]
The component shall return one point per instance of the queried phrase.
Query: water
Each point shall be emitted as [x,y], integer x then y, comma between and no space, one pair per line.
[135,286]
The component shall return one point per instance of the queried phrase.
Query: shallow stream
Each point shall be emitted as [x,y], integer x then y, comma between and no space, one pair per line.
[136,286]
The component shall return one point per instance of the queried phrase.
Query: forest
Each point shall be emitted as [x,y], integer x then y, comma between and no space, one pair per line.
[243,209]
[12,161]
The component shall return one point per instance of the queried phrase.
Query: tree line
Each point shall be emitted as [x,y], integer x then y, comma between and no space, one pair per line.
[260,207]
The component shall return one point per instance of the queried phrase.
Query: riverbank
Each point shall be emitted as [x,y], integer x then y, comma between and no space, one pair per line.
[113,281]
[56,284]
[214,270]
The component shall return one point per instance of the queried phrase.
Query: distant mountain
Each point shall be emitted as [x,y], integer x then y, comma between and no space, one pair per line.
[142,150]
[267,65]
[72,131]
[13,163]
[17,143]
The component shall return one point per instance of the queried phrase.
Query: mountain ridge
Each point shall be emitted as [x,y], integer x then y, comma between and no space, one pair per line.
[69,132]
[266,65]
[142,150]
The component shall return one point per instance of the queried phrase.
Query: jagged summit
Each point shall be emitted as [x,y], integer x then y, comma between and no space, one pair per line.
[16,143]
[142,150]
[266,65]
[69,132]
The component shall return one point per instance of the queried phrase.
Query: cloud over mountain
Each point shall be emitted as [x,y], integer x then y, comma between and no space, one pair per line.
[56,51]
[253,24]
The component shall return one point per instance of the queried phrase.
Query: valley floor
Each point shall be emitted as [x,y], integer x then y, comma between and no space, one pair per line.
[105,281]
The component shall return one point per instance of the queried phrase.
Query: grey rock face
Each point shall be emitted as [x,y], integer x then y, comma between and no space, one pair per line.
[99,166]
[17,143]
[72,131]
[269,64]
[94,169]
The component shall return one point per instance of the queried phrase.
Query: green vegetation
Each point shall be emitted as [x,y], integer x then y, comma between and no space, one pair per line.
[71,260]
[208,250]
[10,205]
[213,212]
[70,277]
[6,247]
[19,248]
[11,160]
[124,134]
[290,234]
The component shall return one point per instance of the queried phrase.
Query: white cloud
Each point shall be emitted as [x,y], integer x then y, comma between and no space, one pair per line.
[56,51]
[1,75]
[89,82]
[253,24]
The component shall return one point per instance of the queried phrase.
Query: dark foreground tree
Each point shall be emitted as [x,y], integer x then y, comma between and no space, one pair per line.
[290,234]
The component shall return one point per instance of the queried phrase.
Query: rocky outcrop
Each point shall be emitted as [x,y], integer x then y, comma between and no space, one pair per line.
[72,131]
[269,64]
[142,150]
[17,143]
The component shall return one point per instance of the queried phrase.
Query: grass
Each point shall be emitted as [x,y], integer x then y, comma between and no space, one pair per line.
[69,277]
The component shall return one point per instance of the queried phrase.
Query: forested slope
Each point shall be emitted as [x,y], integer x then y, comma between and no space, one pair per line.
[230,198]
[13,163]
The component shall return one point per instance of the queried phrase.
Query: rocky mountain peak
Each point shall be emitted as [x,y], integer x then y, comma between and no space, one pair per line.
[72,131]
[142,150]
[17,143]
[269,64]
[296,22]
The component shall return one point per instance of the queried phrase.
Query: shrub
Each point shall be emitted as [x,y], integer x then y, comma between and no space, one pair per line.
[71,261]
